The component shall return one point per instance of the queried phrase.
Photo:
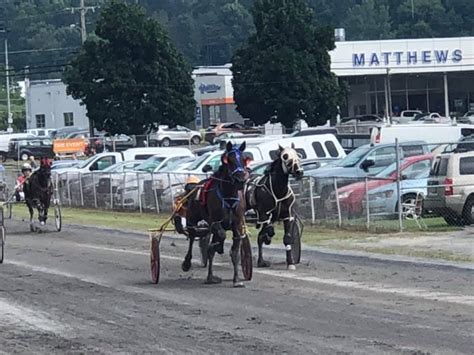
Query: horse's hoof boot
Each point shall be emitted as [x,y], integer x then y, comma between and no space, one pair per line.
[291,267]
[213,280]
[263,263]
[239,284]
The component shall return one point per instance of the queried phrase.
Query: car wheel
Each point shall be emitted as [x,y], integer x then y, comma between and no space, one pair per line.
[468,211]
[196,140]
[24,156]
[165,142]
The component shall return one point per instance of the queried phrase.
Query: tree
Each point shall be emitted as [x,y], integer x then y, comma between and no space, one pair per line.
[283,72]
[130,76]
[427,18]
[368,21]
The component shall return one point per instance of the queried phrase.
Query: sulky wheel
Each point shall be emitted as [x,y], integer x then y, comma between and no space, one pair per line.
[246,258]
[204,248]
[155,260]
[296,232]
[58,222]
[2,243]
[2,216]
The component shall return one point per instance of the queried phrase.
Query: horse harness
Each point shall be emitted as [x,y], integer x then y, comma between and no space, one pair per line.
[261,182]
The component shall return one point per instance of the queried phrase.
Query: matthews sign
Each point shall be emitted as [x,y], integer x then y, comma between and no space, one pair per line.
[410,58]
[403,56]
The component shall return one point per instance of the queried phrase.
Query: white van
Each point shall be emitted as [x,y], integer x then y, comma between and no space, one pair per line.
[433,134]
[321,146]
[145,153]
[5,142]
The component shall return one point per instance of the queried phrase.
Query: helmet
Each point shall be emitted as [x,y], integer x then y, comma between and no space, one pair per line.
[193,180]
[26,166]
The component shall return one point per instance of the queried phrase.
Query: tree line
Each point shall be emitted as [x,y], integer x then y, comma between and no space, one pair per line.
[45,33]
[134,71]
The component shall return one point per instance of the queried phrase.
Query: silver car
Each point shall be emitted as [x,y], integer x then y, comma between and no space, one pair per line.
[178,135]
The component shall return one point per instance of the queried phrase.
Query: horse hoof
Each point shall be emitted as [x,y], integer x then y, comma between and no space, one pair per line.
[263,263]
[291,267]
[32,228]
[186,265]
[212,280]
[239,284]
[42,223]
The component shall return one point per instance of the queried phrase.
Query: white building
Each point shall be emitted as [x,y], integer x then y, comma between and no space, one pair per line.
[48,106]
[214,96]
[432,75]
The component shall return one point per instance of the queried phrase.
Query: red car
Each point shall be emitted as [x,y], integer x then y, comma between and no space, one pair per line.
[351,196]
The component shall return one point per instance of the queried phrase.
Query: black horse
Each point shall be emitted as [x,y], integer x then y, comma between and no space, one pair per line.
[38,190]
[271,197]
[221,204]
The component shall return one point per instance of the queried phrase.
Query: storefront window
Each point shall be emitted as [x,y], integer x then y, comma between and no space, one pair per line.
[214,114]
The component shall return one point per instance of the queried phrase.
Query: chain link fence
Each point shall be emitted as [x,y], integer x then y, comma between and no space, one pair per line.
[434,190]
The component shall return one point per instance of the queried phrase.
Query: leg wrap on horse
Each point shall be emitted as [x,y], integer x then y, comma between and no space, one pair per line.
[266,234]
[218,238]
[288,239]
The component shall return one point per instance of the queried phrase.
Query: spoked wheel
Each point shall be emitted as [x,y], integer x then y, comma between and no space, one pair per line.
[57,216]
[204,248]
[246,258]
[296,232]
[155,259]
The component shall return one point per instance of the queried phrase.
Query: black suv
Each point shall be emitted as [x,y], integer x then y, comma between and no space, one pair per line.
[23,148]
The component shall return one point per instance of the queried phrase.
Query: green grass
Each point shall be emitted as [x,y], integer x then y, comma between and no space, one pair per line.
[346,238]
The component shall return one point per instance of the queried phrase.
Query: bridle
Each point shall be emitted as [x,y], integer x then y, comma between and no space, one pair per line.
[290,161]
[240,168]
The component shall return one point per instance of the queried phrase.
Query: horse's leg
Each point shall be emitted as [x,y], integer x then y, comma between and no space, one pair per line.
[288,241]
[264,236]
[46,208]
[30,209]
[186,265]
[218,233]
[235,252]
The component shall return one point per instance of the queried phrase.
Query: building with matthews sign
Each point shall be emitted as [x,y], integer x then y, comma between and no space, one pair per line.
[431,75]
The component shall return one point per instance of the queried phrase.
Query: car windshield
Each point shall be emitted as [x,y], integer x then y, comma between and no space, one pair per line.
[150,164]
[174,164]
[85,162]
[354,157]
[198,162]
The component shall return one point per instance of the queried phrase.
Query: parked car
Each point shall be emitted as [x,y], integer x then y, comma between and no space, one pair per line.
[468,118]
[365,161]
[23,148]
[430,118]
[359,124]
[66,163]
[220,128]
[451,188]
[166,136]
[42,132]
[351,142]
[406,116]
[352,197]
[311,131]
[433,134]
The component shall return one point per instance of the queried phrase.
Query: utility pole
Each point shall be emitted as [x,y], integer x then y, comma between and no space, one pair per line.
[7,76]
[83,9]
[4,30]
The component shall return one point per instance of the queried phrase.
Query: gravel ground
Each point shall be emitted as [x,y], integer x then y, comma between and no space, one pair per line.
[87,290]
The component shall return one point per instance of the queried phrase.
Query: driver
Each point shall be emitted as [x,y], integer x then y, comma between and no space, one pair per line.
[26,171]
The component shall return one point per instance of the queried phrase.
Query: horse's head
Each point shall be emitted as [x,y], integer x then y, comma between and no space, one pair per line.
[45,168]
[236,164]
[290,161]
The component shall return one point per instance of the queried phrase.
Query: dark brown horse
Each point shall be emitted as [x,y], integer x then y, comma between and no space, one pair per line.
[271,197]
[222,205]
[38,190]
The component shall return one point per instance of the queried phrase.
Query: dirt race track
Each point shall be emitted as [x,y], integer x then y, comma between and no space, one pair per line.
[88,290]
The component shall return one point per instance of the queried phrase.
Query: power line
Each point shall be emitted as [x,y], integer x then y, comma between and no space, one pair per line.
[40,50]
